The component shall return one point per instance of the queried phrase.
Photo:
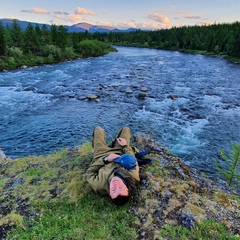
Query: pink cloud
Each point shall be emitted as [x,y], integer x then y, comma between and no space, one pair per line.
[159,18]
[84,11]
[204,23]
[40,11]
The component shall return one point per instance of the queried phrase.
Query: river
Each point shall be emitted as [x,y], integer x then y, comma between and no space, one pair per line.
[193,103]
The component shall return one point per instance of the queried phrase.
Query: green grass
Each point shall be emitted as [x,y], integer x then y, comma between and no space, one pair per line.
[207,230]
[91,217]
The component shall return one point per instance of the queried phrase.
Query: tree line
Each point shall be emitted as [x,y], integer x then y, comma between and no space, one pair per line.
[217,39]
[36,46]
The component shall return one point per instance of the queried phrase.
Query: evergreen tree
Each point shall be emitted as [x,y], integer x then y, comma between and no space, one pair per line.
[45,36]
[29,39]
[62,37]
[2,41]
[16,35]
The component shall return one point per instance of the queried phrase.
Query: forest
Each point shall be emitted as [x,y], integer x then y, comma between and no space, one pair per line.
[37,46]
[217,39]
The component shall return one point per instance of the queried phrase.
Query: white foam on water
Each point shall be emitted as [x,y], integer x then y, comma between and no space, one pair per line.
[180,134]
[20,101]
[211,101]
[181,90]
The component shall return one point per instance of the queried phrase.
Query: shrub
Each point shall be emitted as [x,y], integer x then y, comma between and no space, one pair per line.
[14,52]
[2,65]
[69,53]
[55,51]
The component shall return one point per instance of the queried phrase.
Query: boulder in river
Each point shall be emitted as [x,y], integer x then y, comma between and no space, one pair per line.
[92,96]
[129,91]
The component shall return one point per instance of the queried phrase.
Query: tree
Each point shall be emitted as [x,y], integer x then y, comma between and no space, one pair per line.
[62,36]
[2,41]
[230,167]
[16,35]
[45,36]
[29,39]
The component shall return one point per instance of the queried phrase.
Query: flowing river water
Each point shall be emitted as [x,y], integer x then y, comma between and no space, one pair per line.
[193,103]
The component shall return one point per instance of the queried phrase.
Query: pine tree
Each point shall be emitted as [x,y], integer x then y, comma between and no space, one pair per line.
[16,35]
[2,41]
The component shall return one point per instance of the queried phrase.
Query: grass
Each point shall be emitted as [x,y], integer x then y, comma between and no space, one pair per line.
[90,218]
[207,230]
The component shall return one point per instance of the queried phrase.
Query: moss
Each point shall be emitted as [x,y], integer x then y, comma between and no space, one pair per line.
[222,198]
[13,219]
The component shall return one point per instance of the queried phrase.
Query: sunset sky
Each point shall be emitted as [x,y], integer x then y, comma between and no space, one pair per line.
[123,14]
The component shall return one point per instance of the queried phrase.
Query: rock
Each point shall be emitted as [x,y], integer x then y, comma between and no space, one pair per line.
[92,96]
[129,91]
[29,89]
[143,89]
[187,221]
[71,95]
[142,96]
[2,155]
[115,85]
[82,98]
[173,97]
[169,192]
[18,181]
[24,67]
[101,87]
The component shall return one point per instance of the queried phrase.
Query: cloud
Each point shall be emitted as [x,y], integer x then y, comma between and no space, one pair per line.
[58,16]
[138,25]
[36,11]
[26,11]
[40,11]
[84,11]
[57,12]
[192,17]
[73,18]
[204,23]
[159,18]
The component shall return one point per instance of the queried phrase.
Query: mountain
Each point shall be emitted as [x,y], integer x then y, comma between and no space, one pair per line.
[79,27]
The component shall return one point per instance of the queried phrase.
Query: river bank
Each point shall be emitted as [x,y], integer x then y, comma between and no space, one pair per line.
[189,51]
[47,197]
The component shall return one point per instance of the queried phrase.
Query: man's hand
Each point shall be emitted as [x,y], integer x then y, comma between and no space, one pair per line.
[113,156]
[122,141]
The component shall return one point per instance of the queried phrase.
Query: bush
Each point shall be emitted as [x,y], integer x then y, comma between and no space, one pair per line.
[11,63]
[69,53]
[55,51]
[14,52]
[93,48]
[2,65]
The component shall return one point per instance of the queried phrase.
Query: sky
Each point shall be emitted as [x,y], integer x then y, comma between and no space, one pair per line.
[123,14]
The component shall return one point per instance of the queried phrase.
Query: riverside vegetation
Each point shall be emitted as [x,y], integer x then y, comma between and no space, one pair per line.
[37,46]
[47,197]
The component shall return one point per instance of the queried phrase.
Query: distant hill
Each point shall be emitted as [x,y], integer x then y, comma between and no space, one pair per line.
[79,27]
